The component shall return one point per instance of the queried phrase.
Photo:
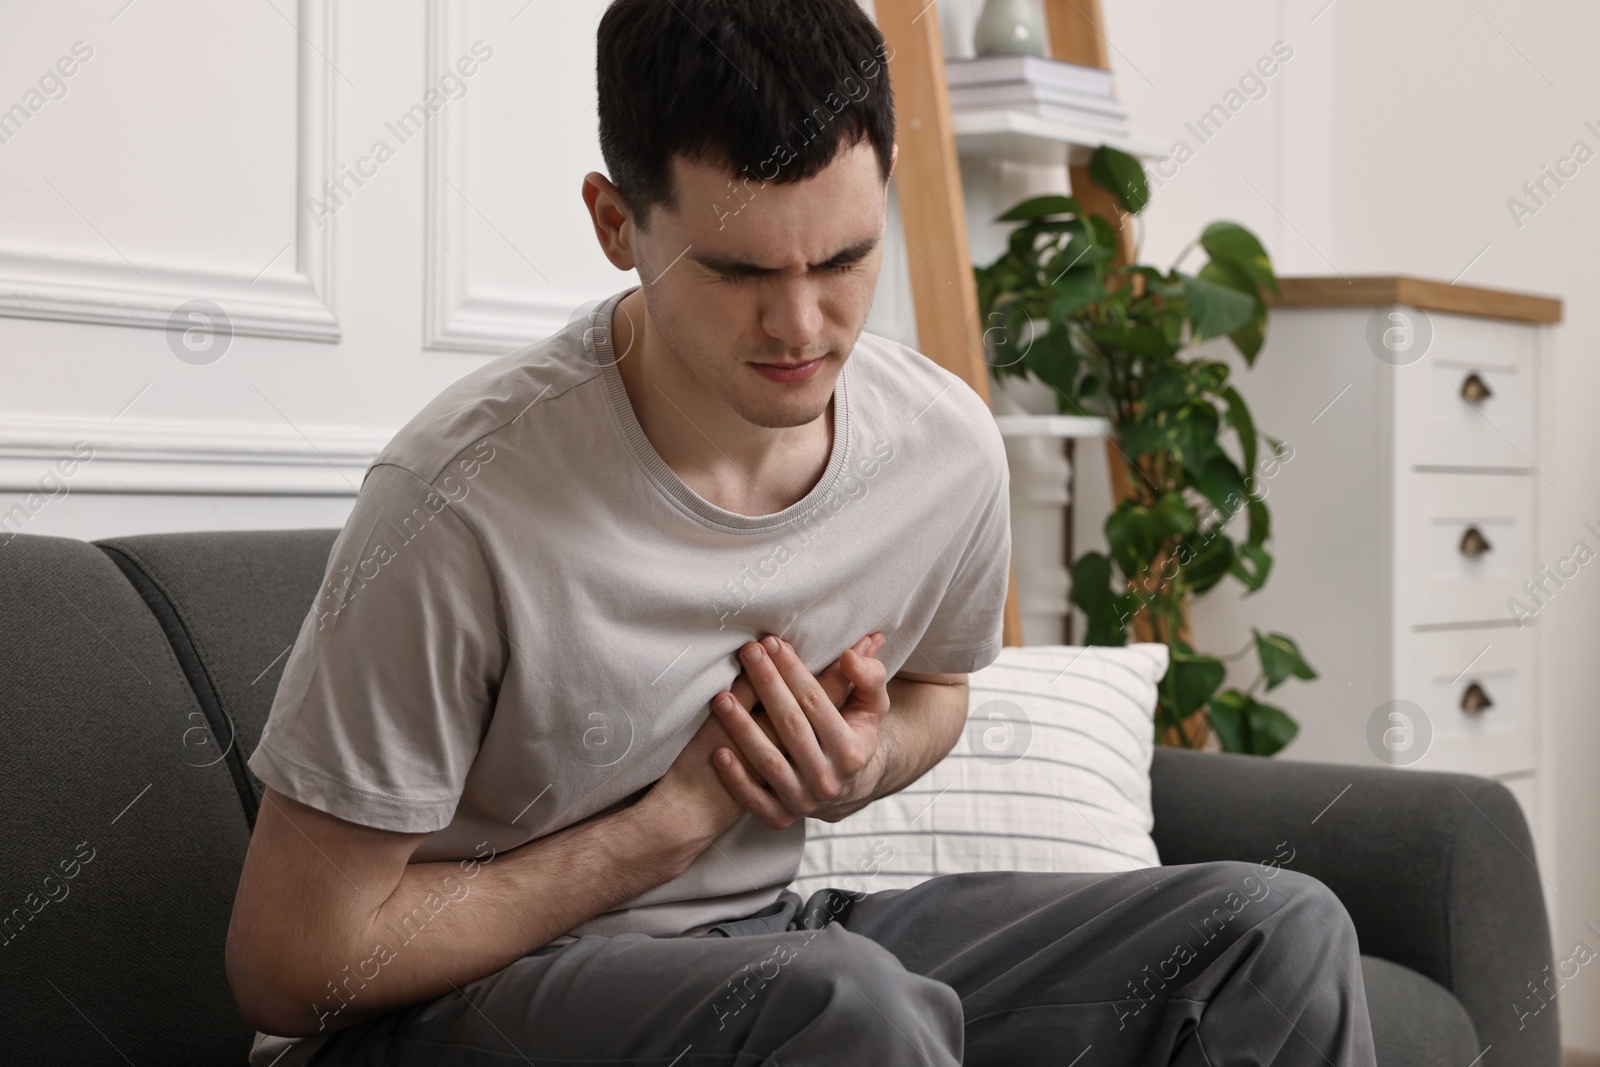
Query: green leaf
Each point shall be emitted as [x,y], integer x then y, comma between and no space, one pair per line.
[1190,681]
[1041,207]
[1204,560]
[1192,434]
[1244,724]
[1228,718]
[1146,341]
[1251,335]
[1220,482]
[1215,310]
[1132,537]
[1271,728]
[1169,386]
[1244,425]
[1232,243]
[1260,521]
[1074,291]
[1105,609]
[1053,360]
[1122,176]
[1280,659]
[1105,234]
[1022,243]
[1172,516]
[1142,437]
[1251,566]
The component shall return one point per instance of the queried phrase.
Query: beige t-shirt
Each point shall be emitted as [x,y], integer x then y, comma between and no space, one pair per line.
[527,612]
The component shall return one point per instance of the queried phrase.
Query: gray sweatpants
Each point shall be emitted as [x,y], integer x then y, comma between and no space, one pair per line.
[1205,964]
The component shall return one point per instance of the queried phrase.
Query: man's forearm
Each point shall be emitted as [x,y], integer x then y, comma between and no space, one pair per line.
[924,723]
[449,923]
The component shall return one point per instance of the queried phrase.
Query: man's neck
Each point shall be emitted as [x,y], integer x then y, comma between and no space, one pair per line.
[730,462]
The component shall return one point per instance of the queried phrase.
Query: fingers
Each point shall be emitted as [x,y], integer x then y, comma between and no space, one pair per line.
[788,696]
[834,679]
[750,794]
[744,692]
[840,744]
[866,673]
[762,754]
[787,762]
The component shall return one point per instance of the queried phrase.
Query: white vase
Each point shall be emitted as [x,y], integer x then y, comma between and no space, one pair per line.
[1011,27]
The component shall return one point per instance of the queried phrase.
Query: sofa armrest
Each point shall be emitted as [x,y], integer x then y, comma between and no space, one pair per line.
[1436,870]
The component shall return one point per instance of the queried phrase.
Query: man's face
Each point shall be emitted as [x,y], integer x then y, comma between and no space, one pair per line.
[762,298]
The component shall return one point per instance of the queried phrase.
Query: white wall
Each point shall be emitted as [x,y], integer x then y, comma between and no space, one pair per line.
[186,160]
[179,162]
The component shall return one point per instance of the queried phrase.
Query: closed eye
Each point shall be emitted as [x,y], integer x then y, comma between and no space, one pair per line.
[831,268]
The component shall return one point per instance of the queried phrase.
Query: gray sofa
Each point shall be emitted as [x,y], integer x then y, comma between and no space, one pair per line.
[136,674]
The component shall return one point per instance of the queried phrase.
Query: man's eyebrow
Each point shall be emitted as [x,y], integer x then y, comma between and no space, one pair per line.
[743,268]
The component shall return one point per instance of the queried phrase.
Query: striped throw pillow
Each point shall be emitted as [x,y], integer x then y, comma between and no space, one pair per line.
[1052,774]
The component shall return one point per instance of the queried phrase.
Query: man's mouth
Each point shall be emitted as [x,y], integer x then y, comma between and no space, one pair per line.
[789,372]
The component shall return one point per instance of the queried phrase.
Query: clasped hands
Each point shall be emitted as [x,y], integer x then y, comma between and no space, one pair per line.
[811,749]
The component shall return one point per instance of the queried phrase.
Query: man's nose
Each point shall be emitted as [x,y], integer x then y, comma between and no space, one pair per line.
[793,314]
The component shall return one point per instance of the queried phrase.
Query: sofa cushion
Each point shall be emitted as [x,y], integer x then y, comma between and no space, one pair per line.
[1052,774]
[1415,1021]
[121,853]
[231,604]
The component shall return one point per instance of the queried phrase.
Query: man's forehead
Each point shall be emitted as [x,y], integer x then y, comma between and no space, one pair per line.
[749,226]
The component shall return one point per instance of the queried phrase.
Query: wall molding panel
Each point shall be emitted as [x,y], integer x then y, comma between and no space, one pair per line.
[456,318]
[42,285]
[148,456]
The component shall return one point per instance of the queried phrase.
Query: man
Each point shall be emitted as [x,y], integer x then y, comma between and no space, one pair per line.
[615,612]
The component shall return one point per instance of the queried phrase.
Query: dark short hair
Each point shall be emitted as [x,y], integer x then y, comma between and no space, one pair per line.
[771,90]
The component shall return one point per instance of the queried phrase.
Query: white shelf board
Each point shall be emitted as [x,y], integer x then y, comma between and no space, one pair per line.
[1052,426]
[1017,135]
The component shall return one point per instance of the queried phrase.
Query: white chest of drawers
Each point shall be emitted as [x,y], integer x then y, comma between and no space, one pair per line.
[1405,524]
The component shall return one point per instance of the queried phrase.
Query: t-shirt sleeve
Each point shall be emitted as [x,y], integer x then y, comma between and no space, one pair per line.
[967,627]
[390,685]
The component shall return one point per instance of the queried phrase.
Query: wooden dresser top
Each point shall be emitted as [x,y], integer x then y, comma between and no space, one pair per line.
[1376,290]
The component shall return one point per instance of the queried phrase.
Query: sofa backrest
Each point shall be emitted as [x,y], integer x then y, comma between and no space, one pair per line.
[231,605]
[121,846]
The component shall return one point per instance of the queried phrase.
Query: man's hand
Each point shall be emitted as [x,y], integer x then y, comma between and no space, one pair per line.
[697,794]
[816,753]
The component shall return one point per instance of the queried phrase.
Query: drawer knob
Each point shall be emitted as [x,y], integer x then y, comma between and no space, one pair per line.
[1473,543]
[1475,701]
[1475,390]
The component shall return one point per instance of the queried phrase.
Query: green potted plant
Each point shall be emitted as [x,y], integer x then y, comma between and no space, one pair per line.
[1118,340]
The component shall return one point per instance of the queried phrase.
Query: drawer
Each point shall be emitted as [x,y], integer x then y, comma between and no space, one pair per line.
[1439,424]
[1476,689]
[1463,545]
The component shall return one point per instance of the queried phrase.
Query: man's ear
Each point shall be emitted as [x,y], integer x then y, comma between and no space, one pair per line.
[612,219]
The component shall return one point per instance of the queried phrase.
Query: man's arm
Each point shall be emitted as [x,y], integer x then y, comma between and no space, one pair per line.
[331,924]
[927,713]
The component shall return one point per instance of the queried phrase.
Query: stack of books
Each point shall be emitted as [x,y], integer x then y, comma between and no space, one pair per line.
[1047,88]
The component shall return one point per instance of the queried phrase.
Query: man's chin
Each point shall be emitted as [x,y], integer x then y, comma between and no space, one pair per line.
[781,414]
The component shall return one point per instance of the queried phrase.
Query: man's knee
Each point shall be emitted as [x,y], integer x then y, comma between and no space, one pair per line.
[1237,896]
[1313,915]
